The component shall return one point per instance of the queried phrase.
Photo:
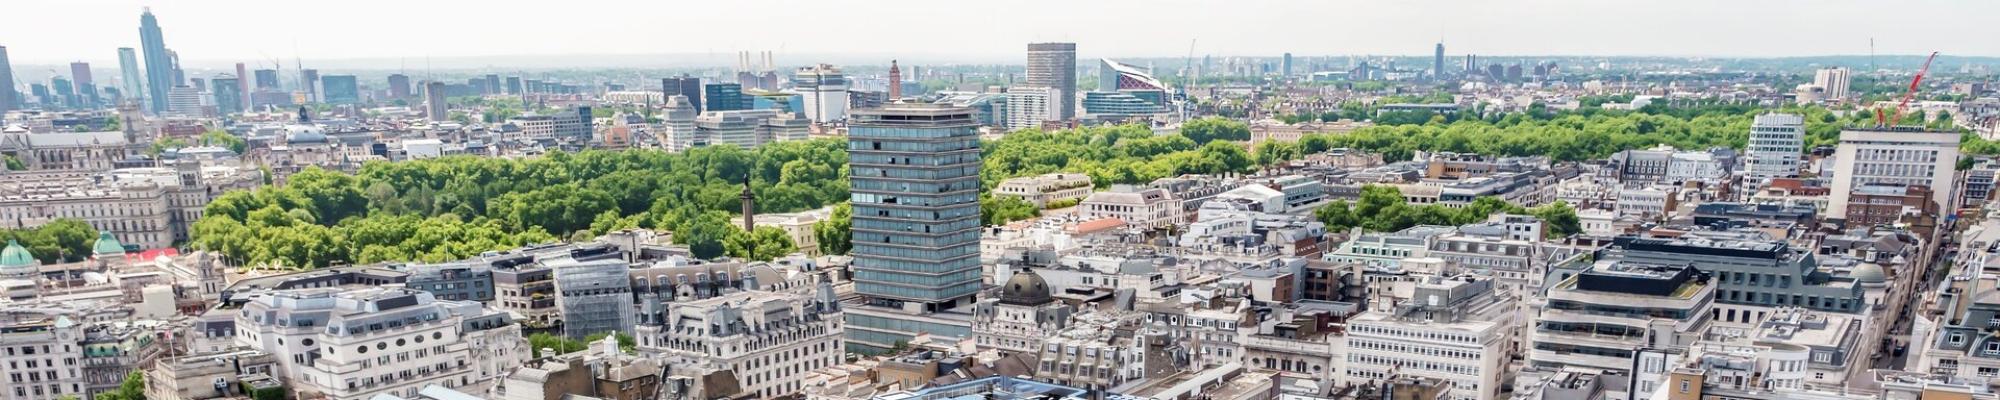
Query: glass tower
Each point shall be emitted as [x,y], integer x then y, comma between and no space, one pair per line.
[915,192]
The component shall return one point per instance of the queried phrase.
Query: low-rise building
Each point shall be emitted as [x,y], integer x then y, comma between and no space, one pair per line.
[1150,207]
[1046,188]
[355,344]
[764,339]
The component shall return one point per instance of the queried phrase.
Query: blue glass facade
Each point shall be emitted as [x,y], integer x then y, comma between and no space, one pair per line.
[725,97]
[915,192]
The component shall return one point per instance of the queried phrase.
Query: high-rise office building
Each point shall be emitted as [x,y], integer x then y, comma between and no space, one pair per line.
[178,76]
[63,92]
[434,102]
[725,97]
[130,83]
[266,78]
[1437,62]
[340,89]
[685,86]
[1053,65]
[242,74]
[1835,81]
[399,86]
[1894,156]
[9,99]
[159,64]
[677,124]
[1030,106]
[310,83]
[824,91]
[493,84]
[915,191]
[86,87]
[1777,142]
[514,85]
[1285,67]
[228,93]
[185,100]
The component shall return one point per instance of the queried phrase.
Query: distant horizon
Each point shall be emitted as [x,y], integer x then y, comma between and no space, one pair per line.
[725,61]
[385,33]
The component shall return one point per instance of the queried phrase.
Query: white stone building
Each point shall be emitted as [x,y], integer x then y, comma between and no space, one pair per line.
[355,344]
[766,338]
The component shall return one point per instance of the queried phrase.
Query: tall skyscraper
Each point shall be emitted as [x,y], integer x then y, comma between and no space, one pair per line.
[895,81]
[1835,80]
[266,78]
[340,89]
[9,98]
[314,88]
[399,86]
[242,86]
[128,72]
[159,64]
[1053,65]
[686,86]
[915,192]
[1776,144]
[1437,62]
[228,92]
[178,76]
[86,88]
[1285,67]
[64,92]
[434,102]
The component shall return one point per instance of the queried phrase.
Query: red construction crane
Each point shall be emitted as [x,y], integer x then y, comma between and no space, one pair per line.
[1903,106]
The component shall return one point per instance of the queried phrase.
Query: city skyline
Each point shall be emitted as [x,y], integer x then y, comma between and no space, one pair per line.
[215,34]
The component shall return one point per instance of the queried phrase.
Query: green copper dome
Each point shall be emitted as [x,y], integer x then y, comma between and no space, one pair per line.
[16,256]
[107,245]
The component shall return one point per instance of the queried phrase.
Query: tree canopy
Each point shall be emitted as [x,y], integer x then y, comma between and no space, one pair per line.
[59,241]
[1382,208]
[455,207]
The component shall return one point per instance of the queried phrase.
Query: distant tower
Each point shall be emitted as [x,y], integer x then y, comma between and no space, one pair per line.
[8,97]
[1053,65]
[749,205]
[243,85]
[159,64]
[1437,62]
[895,81]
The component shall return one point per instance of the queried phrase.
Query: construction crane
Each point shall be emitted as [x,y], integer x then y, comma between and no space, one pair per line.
[1903,106]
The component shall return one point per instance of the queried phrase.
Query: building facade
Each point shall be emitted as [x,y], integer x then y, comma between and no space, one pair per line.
[915,193]
[1053,66]
[356,344]
[1900,156]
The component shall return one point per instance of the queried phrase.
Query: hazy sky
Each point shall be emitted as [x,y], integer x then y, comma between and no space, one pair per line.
[209,32]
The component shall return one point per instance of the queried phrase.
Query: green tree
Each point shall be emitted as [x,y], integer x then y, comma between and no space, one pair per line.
[997,210]
[836,233]
[162,145]
[14,163]
[134,388]
[765,244]
[705,234]
[225,140]
[1210,129]
[558,344]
